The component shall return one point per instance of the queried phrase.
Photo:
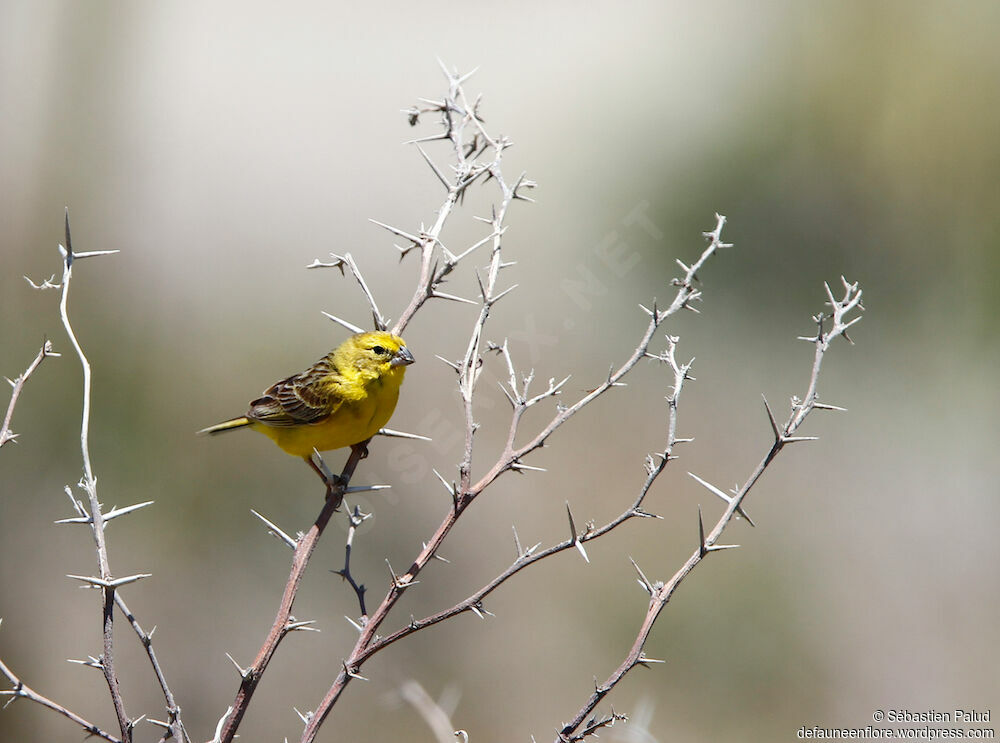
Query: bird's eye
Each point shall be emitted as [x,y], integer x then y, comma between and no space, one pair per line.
[378,350]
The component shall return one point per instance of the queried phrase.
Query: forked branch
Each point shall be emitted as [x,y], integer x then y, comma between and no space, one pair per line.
[577,728]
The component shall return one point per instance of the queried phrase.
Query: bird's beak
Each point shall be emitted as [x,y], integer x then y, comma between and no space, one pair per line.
[402,357]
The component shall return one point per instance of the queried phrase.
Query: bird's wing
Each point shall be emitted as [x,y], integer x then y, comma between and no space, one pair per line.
[295,401]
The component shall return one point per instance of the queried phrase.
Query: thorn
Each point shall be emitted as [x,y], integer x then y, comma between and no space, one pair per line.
[91,662]
[75,520]
[711,488]
[405,235]
[352,674]
[481,242]
[402,435]
[301,626]
[68,250]
[434,167]
[244,672]
[116,512]
[350,326]
[506,394]
[442,295]
[518,466]
[703,549]
[642,579]
[453,364]
[577,542]
[645,514]
[95,253]
[643,661]
[504,293]
[115,583]
[436,556]
[826,406]
[452,488]
[274,531]
[400,583]
[429,138]
[479,610]
[365,488]
[482,288]
[467,75]
[774,423]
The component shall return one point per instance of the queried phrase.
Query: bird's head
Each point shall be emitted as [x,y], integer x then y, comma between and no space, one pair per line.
[374,355]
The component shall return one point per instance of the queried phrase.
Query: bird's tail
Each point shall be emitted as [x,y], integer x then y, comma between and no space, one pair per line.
[224,426]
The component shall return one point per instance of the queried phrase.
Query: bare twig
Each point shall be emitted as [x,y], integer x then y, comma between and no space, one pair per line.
[355,519]
[97,519]
[18,384]
[654,465]
[173,725]
[469,141]
[23,691]
[686,295]
[708,543]
[89,485]
[283,621]
[348,260]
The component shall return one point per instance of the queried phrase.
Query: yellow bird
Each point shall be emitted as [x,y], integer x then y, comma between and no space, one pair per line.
[341,400]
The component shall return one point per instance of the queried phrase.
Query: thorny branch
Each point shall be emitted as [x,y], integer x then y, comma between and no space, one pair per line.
[173,726]
[654,465]
[106,582]
[659,592]
[465,492]
[284,622]
[476,154]
[348,260]
[469,369]
[355,518]
[18,384]
[93,515]
[23,691]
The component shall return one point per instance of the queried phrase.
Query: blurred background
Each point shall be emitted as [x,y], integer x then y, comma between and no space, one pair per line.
[223,146]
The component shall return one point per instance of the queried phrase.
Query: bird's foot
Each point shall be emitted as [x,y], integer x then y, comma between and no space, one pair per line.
[333,482]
